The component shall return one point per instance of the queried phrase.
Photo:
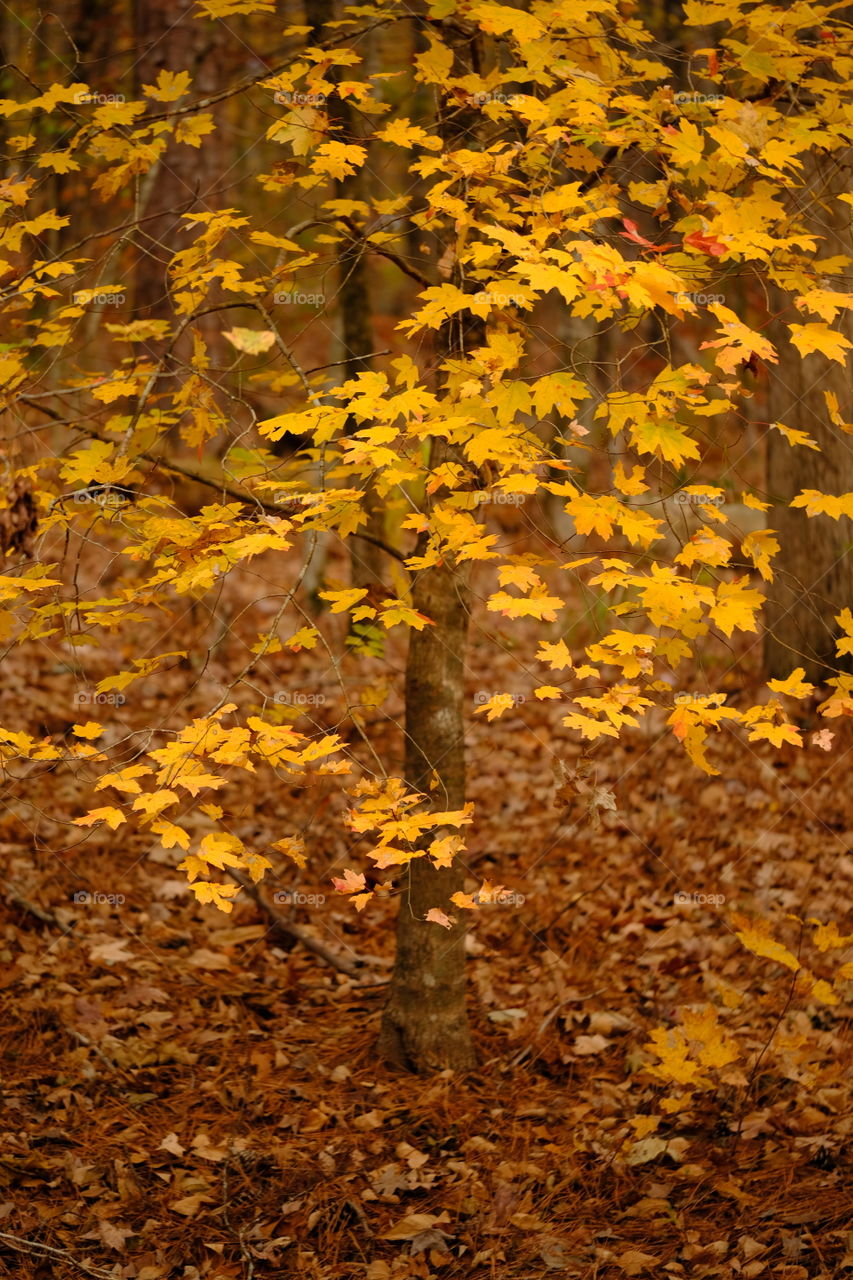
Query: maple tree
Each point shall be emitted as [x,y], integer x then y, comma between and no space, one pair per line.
[508,139]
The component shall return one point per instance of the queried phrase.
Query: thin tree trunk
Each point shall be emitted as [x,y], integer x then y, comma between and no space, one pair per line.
[425,1024]
[357,338]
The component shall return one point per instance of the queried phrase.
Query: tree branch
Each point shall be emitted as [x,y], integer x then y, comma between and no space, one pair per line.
[291,930]
[190,473]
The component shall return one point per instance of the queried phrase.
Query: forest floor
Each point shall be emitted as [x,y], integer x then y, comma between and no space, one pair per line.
[185,1095]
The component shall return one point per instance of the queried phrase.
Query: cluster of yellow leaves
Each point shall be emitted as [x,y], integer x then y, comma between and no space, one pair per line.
[700,1053]
[689,1052]
[757,937]
[201,757]
[403,826]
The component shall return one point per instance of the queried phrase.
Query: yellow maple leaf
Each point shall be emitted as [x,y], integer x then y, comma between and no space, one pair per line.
[221,850]
[304,638]
[557,655]
[757,939]
[845,621]
[631,485]
[761,546]
[811,338]
[171,835]
[676,1065]
[294,848]
[257,866]
[434,64]
[112,817]
[705,547]
[444,850]
[736,607]
[338,159]
[776,734]
[534,606]
[749,500]
[405,134]
[170,86]
[827,938]
[153,801]
[124,780]
[465,901]
[795,686]
[343,600]
[496,706]
[795,437]
[824,504]
[253,341]
[219,894]
[91,729]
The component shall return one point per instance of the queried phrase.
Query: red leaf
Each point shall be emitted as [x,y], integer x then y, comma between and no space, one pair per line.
[705,244]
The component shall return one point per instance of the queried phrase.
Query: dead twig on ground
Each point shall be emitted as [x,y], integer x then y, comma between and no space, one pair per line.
[290,929]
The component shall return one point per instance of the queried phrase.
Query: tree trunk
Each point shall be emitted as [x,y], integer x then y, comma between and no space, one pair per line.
[425,1023]
[170,37]
[814,568]
[366,559]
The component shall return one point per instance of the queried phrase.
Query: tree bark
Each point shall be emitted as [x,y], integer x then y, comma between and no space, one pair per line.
[813,570]
[425,1024]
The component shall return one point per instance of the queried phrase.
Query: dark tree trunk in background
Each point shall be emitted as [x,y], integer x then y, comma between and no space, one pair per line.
[169,36]
[355,324]
[814,568]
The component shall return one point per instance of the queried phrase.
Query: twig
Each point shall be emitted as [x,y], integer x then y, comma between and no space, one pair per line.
[371,355]
[226,1217]
[221,486]
[384,252]
[31,908]
[90,1044]
[28,1246]
[291,930]
[573,903]
[548,1019]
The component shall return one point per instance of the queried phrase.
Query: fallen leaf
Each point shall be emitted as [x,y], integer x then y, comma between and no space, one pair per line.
[634,1263]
